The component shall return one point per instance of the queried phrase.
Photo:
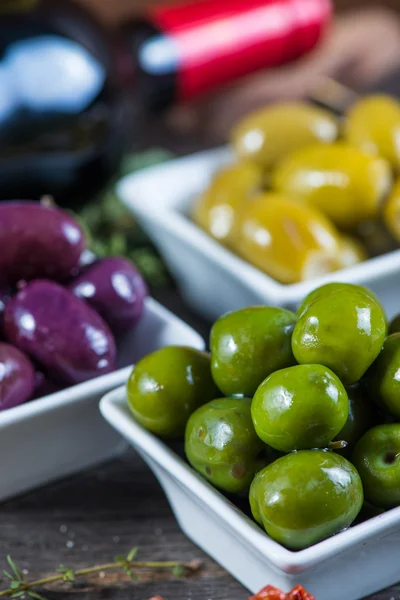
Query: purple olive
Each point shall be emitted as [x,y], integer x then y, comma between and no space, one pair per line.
[37,241]
[115,289]
[60,332]
[17,377]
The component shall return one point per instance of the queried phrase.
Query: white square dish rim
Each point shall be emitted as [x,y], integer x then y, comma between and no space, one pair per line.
[135,188]
[113,407]
[94,386]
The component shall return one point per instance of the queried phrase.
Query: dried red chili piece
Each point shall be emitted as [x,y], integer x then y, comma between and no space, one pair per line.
[299,593]
[269,593]
[272,593]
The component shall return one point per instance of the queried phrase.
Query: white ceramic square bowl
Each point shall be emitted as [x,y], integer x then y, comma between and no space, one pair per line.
[63,433]
[348,566]
[212,279]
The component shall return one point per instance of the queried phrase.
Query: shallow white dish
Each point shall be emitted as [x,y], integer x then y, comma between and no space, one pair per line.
[212,279]
[348,566]
[63,433]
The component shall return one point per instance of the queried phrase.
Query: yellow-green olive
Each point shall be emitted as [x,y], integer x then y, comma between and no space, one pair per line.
[216,209]
[373,124]
[343,182]
[268,135]
[288,240]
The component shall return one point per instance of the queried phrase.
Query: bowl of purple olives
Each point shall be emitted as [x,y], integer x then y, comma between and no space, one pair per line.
[71,326]
[279,450]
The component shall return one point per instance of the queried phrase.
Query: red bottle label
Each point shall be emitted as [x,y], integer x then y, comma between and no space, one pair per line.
[219,41]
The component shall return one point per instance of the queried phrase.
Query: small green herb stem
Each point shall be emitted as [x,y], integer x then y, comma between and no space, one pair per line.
[28,585]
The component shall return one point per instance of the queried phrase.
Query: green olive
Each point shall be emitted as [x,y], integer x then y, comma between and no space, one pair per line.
[299,408]
[377,459]
[166,386]
[305,497]
[220,443]
[328,288]
[343,330]
[383,377]
[249,344]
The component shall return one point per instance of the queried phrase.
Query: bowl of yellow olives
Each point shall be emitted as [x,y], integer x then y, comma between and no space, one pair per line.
[279,449]
[299,197]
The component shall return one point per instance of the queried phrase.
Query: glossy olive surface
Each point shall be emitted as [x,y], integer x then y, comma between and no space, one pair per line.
[216,210]
[373,124]
[17,377]
[343,182]
[362,416]
[300,408]
[377,459]
[38,241]
[319,292]
[391,211]
[60,332]
[305,497]
[115,289]
[165,387]
[269,134]
[220,443]
[286,239]
[384,376]
[249,344]
[328,288]
[343,330]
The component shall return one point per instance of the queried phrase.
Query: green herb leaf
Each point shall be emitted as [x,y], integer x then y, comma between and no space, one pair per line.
[132,554]
[131,574]
[178,571]
[15,584]
[119,559]
[117,245]
[19,594]
[17,570]
[61,569]
[7,574]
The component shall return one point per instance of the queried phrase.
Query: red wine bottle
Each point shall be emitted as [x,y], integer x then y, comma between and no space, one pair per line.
[73,96]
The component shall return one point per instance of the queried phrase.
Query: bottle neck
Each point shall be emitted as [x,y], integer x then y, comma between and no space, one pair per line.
[185,51]
[155,78]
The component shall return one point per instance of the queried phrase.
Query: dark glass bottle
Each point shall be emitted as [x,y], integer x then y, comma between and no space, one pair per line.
[72,97]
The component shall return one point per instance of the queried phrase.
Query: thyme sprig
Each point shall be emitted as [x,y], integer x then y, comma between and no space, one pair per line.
[19,587]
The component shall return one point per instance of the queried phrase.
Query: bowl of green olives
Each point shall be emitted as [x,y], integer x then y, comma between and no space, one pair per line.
[71,326]
[298,198]
[279,449]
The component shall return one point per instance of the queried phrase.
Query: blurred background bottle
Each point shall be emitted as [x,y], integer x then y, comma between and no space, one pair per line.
[73,95]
